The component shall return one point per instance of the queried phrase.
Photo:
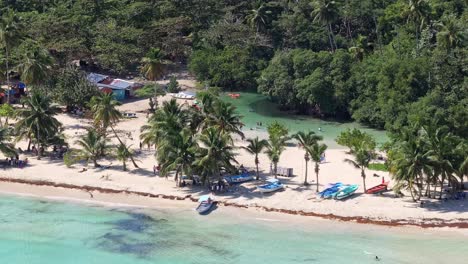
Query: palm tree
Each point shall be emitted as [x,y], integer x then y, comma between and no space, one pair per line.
[93,146]
[417,14]
[256,147]
[411,162]
[37,120]
[276,146]
[105,115]
[10,36]
[166,122]
[124,152]
[362,157]
[153,64]
[306,141]
[361,47]
[178,153]
[215,152]
[316,154]
[326,12]
[224,117]
[7,148]
[258,16]
[35,66]
[450,33]
[462,170]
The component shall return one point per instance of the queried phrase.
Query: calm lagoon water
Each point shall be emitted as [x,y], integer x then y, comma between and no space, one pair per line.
[35,231]
[257,108]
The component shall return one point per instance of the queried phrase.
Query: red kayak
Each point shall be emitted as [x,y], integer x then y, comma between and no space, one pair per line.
[378,189]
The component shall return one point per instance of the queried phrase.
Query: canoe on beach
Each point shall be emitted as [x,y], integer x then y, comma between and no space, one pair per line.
[273,185]
[330,191]
[346,191]
[378,189]
[239,178]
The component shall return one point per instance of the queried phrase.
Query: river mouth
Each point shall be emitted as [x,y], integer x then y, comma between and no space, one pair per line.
[257,112]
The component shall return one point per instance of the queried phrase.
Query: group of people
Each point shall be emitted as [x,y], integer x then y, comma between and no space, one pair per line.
[218,187]
[16,162]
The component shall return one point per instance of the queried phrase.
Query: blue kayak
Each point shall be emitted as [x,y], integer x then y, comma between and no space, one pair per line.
[333,188]
[346,191]
[331,191]
[239,178]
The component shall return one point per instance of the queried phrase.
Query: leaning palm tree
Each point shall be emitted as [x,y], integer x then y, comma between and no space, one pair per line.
[306,141]
[153,64]
[6,147]
[316,153]
[93,146]
[276,146]
[105,115]
[255,147]
[124,153]
[35,66]
[326,12]
[10,36]
[362,157]
[37,121]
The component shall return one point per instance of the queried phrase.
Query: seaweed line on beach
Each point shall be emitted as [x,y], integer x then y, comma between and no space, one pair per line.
[425,223]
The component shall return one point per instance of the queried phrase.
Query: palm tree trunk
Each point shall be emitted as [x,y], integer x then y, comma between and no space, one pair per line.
[124,166]
[442,185]
[305,177]
[332,36]
[329,38]
[411,192]
[95,163]
[258,175]
[316,175]
[120,141]
[7,56]
[363,175]
[276,170]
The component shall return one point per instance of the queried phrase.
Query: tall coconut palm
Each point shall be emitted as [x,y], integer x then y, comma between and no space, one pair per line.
[411,163]
[316,153]
[10,36]
[450,33]
[124,153]
[224,118]
[178,153]
[6,147]
[93,146]
[258,16]
[362,157]
[276,146]
[215,152]
[255,147]
[153,64]
[37,121]
[326,12]
[417,13]
[462,168]
[166,122]
[306,141]
[105,115]
[35,66]
[442,145]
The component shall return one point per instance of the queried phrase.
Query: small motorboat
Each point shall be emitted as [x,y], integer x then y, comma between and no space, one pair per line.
[346,191]
[330,191]
[378,189]
[206,203]
[271,186]
[244,177]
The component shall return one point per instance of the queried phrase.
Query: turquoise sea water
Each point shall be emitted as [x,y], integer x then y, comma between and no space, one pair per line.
[34,231]
[257,108]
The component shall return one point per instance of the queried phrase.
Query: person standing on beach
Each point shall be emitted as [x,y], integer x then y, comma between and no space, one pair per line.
[154,170]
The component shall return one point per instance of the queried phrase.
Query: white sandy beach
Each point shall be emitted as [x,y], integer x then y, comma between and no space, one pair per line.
[294,197]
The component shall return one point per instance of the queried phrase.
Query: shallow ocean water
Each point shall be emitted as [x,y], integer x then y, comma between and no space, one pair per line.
[39,231]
